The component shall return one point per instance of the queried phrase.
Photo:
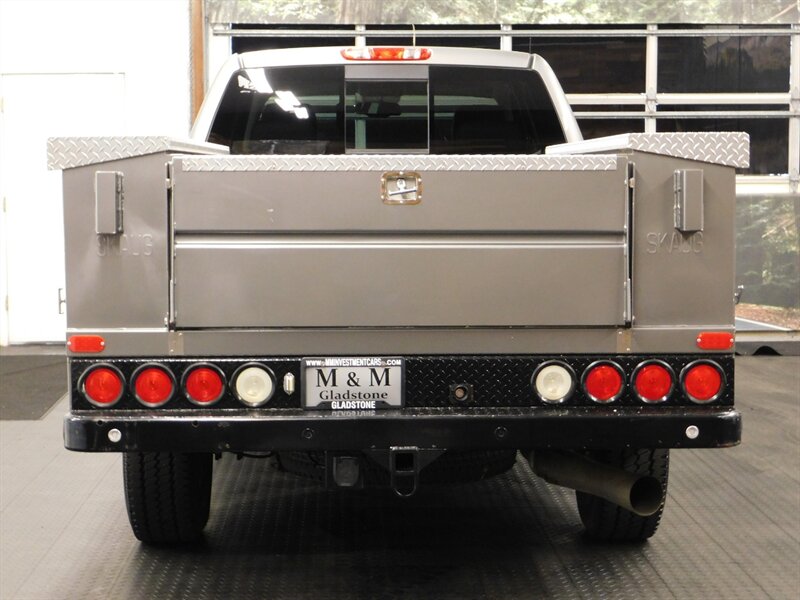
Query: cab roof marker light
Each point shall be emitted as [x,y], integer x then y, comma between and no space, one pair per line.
[386,53]
[86,344]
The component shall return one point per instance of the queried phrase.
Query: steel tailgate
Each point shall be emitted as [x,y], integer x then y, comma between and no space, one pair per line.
[302,241]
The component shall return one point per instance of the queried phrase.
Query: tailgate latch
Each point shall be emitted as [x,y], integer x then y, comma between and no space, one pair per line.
[401,187]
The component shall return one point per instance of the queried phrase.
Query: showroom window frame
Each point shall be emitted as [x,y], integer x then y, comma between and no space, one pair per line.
[649,104]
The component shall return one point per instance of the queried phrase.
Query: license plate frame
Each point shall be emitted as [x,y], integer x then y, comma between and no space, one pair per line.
[353,383]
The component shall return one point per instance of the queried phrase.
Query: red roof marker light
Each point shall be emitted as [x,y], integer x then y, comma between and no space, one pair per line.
[373,53]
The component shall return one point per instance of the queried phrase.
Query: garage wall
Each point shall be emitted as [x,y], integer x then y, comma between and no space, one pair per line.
[71,67]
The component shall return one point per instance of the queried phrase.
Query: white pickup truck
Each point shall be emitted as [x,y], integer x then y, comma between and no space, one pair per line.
[395,266]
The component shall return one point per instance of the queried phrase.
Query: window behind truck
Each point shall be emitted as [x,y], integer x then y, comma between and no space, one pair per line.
[454,110]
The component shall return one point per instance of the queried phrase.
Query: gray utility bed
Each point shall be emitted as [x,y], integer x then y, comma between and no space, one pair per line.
[583,237]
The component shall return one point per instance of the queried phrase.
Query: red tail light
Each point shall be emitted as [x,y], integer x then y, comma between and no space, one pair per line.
[702,381]
[204,385]
[603,382]
[401,53]
[653,382]
[102,386]
[152,385]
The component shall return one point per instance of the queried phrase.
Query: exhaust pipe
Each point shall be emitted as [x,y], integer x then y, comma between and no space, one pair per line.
[640,494]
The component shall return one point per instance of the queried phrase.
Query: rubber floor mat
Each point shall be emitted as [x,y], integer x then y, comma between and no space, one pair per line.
[30,385]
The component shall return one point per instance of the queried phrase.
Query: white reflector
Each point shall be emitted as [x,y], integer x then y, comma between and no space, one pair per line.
[553,383]
[254,386]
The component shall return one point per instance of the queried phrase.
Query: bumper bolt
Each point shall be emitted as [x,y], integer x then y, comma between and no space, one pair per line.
[692,431]
[114,435]
[308,433]
[500,433]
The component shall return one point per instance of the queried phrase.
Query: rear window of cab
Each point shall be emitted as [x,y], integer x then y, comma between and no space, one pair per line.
[455,110]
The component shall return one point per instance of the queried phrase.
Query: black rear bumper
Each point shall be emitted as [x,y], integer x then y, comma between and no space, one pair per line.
[523,428]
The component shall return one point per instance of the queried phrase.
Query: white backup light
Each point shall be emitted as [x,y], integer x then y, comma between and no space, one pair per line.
[553,383]
[254,386]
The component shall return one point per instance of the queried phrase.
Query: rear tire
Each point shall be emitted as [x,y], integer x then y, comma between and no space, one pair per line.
[605,521]
[167,494]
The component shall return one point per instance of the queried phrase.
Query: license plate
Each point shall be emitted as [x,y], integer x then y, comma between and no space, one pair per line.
[353,383]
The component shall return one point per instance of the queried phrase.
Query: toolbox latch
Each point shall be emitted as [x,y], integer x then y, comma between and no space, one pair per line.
[688,185]
[108,202]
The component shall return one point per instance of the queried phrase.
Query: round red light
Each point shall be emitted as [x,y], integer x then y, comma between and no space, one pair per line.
[153,386]
[653,382]
[204,385]
[103,386]
[702,382]
[603,382]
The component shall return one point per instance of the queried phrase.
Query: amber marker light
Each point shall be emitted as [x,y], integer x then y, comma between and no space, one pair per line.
[383,53]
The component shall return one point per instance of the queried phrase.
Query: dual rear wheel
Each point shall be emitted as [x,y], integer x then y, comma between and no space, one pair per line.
[168,496]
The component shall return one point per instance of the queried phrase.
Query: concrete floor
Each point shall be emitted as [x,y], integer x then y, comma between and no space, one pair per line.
[731,528]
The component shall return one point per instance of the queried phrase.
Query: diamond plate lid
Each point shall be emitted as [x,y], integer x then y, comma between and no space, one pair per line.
[71,152]
[389,162]
[724,148]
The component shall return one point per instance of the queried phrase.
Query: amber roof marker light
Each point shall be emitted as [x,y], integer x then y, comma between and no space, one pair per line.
[394,53]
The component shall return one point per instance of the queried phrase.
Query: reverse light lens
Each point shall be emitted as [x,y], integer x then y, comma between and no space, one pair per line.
[553,383]
[204,385]
[603,382]
[103,386]
[153,386]
[254,385]
[401,53]
[702,382]
[652,382]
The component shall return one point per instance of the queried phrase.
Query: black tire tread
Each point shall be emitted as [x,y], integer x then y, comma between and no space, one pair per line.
[605,521]
[167,495]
